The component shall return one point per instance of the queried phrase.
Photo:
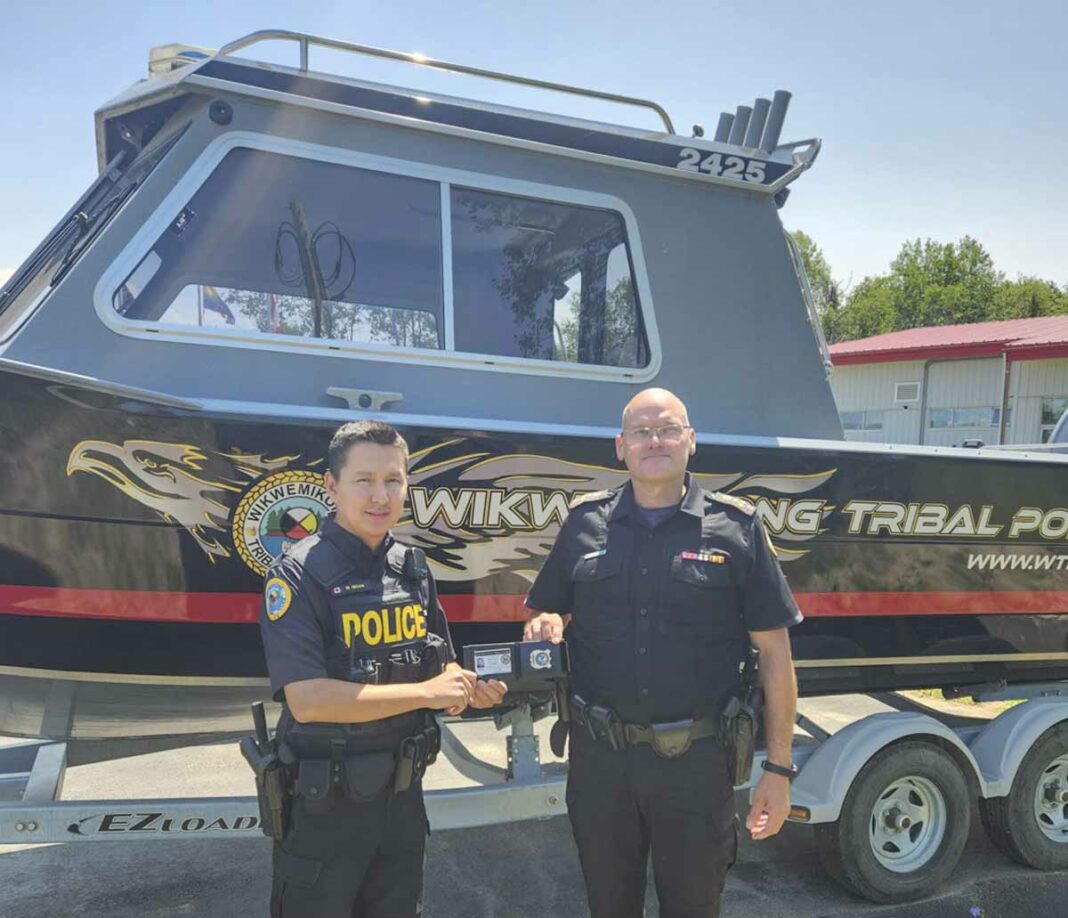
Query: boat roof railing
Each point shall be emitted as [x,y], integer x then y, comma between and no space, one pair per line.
[745,152]
[306,42]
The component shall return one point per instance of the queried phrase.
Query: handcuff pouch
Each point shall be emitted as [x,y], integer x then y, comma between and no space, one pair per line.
[670,740]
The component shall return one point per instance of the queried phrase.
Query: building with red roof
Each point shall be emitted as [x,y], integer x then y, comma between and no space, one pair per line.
[999,382]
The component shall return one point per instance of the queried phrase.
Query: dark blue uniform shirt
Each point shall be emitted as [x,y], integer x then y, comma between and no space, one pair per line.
[661,615]
[329,591]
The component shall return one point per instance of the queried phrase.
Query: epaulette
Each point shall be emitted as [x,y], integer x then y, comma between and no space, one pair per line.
[740,503]
[587,497]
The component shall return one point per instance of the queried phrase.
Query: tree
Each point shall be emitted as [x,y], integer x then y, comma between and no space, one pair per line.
[1029,298]
[943,284]
[872,309]
[929,283]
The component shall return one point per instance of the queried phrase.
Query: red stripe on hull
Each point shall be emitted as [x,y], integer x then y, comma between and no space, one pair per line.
[1003,602]
[243,608]
[131,605]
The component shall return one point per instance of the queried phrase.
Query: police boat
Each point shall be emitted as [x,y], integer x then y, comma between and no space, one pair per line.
[270,250]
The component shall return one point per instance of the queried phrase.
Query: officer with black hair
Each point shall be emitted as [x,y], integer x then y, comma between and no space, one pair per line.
[358,650]
[663,587]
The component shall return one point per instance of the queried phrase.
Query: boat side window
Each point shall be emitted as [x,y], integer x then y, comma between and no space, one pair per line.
[543,280]
[281,245]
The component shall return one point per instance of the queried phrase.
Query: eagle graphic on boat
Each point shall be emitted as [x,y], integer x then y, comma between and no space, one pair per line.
[475,514]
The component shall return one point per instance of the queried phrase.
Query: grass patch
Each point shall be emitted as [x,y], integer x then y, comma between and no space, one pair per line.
[935,697]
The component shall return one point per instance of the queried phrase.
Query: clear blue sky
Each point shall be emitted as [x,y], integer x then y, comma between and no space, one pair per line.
[938,118]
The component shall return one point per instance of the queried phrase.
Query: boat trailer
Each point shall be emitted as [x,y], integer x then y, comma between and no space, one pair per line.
[905,777]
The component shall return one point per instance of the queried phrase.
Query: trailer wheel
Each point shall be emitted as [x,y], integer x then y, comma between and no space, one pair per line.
[1031,824]
[903,825]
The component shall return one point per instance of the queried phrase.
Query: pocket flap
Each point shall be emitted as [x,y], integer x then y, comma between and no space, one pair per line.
[367,775]
[595,566]
[313,778]
[298,871]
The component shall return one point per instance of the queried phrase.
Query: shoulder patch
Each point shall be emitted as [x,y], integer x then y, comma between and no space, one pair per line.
[277,596]
[739,503]
[587,497]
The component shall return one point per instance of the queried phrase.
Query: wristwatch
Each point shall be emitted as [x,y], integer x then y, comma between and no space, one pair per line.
[785,771]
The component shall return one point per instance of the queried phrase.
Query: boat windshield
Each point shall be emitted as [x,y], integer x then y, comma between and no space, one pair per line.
[75,233]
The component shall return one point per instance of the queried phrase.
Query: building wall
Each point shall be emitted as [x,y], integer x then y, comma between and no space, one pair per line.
[961,395]
[870,388]
[962,384]
[1032,382]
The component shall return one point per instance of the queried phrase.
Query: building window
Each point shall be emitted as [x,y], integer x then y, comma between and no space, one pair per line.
[863,420]
[1052,409]
[972,418]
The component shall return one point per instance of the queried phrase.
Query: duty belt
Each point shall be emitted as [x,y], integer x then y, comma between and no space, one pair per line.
[669,740]
[328,767]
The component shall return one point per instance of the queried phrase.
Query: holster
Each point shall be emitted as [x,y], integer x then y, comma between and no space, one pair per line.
[602,723]
[416,754]
[273,786]
[741,718]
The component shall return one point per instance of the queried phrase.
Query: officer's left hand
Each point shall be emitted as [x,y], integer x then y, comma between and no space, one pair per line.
[770,806]
[488,693]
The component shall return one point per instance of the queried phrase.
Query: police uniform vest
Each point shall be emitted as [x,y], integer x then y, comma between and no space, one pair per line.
[380,637]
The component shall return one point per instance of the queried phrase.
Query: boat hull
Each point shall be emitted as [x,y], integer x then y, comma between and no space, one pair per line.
[133,537]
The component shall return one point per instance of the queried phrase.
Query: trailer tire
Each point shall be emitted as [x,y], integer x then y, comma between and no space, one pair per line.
[903,825]
[1029,829]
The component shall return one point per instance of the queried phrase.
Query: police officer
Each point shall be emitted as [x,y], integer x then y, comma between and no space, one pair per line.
[662,587]
[358,649]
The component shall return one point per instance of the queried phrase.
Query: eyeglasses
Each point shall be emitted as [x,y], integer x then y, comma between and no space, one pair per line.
[669,433]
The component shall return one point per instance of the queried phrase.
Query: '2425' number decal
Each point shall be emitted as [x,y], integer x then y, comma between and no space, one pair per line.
[732,167]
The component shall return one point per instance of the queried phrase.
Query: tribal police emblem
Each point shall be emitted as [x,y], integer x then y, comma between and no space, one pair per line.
[276,598]
[279,509]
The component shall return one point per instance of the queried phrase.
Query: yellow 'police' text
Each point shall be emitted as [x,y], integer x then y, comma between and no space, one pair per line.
[384,626]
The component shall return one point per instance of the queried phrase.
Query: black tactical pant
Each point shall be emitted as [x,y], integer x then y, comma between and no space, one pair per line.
[356,860]
[621,804]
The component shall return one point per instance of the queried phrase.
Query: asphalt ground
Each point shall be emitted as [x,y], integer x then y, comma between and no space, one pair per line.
[515,870]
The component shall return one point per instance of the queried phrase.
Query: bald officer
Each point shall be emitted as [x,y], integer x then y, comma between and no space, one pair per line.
[663,587]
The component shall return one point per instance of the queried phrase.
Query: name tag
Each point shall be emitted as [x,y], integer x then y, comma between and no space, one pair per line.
[595,554]
[349,588]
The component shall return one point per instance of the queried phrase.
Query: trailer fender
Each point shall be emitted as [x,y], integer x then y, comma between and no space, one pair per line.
[829,772]
[1001,746]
